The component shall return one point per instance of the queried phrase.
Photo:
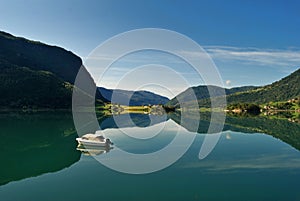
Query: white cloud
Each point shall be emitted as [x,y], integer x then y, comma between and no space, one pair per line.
[256,56]
[228,82]
[246,55]
[282,60]
[270,161]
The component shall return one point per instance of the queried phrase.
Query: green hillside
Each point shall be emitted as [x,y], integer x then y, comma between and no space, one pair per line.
[282,90]
[22,87]
[202,93]
[36,75]
[38,56]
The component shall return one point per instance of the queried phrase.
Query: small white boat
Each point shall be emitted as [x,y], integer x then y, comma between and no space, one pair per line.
[93,140]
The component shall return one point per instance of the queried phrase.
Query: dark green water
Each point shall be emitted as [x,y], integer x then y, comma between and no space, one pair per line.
[256,158]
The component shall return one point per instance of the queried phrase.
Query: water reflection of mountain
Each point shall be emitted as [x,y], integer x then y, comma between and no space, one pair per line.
[33,144]
[191,122]
[282,129]
[130,120]
[38,143]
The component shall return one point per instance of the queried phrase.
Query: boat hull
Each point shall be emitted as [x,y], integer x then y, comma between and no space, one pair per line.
[91,143]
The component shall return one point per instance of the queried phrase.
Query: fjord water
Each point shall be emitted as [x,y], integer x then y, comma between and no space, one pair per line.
[256,158]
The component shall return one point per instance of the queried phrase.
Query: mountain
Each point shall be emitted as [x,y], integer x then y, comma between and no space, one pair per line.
[201,92]
[132,98]
[282,90]
[122,120]
[39,56]
[36,75]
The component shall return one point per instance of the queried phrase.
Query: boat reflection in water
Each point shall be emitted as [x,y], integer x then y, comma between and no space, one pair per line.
[94,144]
[93,151]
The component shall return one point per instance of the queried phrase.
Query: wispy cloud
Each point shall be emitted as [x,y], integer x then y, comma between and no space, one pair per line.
[141,57]
[259,56]
[243,55]
[256,56]
[257,162]
[228,59]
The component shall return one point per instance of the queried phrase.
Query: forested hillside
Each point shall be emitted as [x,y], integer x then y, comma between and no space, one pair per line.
[35,75]
[283,90]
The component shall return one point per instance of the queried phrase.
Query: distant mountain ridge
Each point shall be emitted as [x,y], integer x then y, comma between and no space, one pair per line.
[126,97]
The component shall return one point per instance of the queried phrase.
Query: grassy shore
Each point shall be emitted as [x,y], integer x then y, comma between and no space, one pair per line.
[124,109]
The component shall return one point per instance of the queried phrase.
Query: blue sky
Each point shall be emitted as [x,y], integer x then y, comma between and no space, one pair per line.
[251,42]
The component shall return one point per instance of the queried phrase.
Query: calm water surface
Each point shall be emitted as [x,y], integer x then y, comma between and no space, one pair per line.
[256,158]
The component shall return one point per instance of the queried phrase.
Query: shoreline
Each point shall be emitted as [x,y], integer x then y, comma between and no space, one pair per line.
[34,110]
